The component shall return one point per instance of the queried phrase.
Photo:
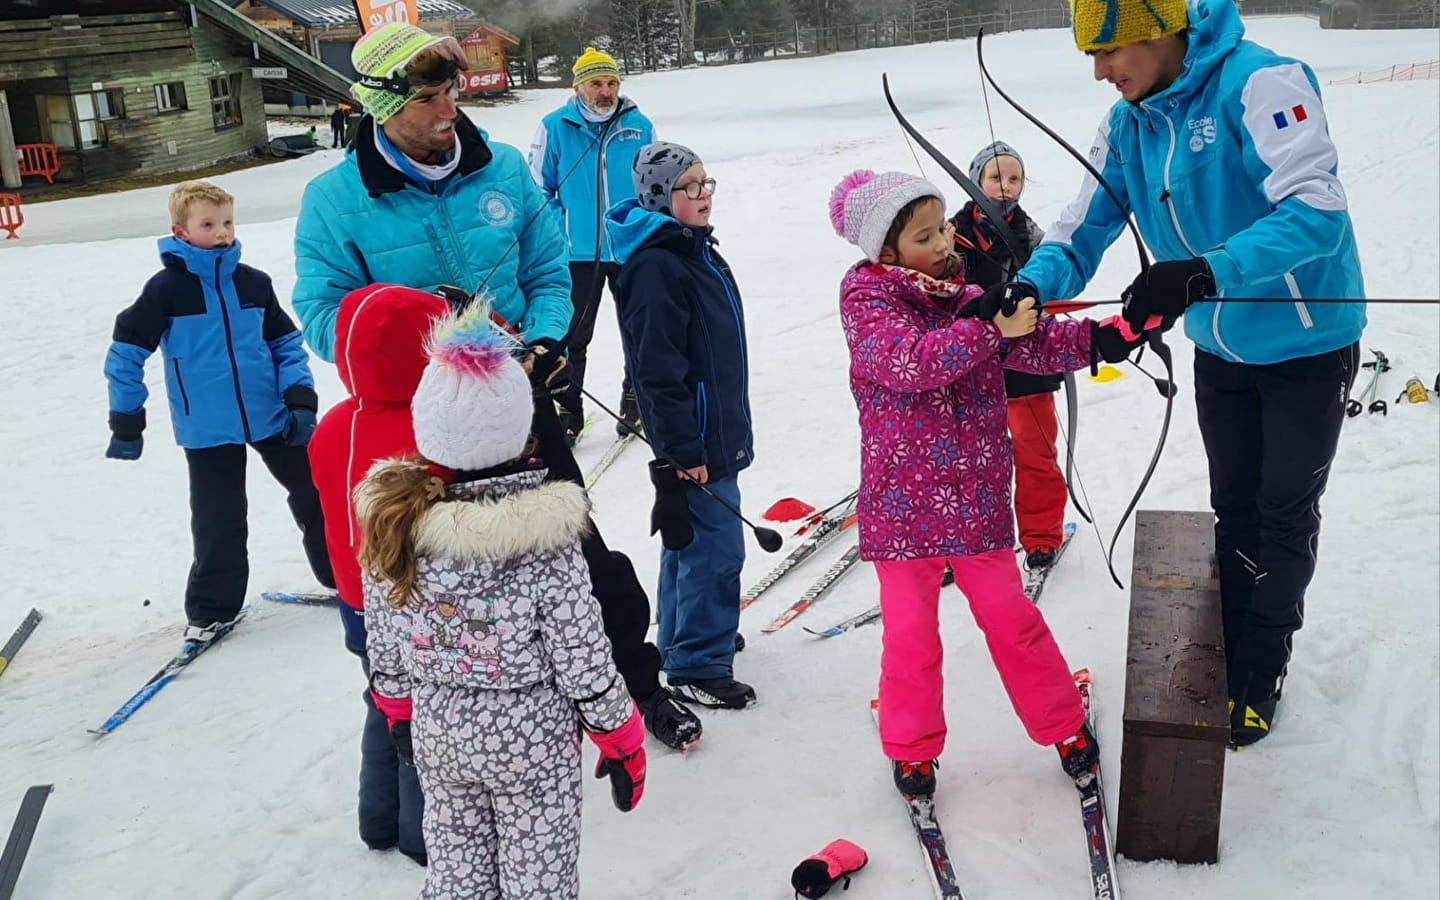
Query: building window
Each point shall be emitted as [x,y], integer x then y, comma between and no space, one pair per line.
[76,122]
[170,97]
[90,110]
[225,100]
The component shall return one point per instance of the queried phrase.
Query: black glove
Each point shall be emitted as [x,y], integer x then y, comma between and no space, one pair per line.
[400,737]
[546,365]
[998,300]
[1112,341]
[671,514]
[458,298]
[1166,289]
[126,435]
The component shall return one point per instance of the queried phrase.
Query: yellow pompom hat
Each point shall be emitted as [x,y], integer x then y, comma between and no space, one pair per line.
[1107,24]
[594,63]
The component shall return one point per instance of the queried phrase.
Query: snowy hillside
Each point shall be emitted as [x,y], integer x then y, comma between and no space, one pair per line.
[239,780]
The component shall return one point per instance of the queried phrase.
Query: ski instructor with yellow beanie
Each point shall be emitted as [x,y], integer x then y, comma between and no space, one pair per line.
[1221,149]
[581,158]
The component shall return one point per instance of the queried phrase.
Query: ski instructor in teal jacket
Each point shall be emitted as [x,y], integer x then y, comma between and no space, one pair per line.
[1220,148]
[423,199]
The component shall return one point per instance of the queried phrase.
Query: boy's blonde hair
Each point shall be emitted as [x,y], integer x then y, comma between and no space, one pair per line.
[187,193]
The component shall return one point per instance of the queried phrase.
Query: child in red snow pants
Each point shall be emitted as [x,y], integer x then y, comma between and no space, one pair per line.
[1035,675]
[1039,484]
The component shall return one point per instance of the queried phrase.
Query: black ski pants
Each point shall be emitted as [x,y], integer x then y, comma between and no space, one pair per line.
[624,607]
[587,286]
[1270,433]
[218,513]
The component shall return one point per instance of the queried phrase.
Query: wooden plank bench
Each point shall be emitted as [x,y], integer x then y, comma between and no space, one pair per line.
[10,216]
[1177,724]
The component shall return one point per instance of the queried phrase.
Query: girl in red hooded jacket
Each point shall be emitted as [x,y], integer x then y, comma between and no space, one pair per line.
[380,334]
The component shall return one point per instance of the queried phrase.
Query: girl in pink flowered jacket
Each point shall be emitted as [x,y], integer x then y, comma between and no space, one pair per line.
[926,358]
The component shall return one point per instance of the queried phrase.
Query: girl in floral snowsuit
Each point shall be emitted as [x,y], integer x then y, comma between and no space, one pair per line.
[927,353]
[483,631]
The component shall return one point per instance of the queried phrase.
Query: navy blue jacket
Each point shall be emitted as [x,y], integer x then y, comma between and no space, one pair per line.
[234,360]
[684,332]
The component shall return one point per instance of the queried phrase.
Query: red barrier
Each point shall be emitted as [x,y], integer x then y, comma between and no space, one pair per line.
[10,216]
[38,159]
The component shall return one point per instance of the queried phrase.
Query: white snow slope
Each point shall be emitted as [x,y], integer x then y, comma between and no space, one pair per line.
[238,781]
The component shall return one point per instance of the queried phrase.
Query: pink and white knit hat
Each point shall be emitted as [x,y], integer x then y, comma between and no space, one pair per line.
[864,204]
[473,407]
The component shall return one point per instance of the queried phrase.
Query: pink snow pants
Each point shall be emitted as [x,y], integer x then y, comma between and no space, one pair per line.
[1035,675]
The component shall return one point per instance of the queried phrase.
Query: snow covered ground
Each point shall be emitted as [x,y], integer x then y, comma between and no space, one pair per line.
[239,780]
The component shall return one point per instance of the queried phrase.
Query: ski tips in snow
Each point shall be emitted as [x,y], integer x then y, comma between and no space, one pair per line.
[21,833]
[189,652]
[18,639]
[302,598]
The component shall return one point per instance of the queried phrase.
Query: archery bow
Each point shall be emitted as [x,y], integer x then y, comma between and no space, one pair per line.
[1019,251]
[1156,340]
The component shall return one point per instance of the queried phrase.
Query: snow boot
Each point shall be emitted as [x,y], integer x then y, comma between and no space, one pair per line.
[716,693]
[915,779]
[670,721]
[1079,753]
[817,875]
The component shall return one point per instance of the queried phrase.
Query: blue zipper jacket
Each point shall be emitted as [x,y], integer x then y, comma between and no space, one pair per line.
[564,162]
[364,223]
[1233,162]
[234,360]
[683,326]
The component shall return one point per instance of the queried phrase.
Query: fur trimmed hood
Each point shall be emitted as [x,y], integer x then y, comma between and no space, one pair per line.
[494,518]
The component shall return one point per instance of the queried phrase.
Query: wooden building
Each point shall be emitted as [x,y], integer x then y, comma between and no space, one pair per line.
[328,30]
[142,86]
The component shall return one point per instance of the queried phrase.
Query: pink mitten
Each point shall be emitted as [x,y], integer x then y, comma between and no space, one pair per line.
[622,759]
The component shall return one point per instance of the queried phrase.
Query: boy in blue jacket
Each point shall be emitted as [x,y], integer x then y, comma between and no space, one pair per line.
[683,328]
[1221,150]
[236,373]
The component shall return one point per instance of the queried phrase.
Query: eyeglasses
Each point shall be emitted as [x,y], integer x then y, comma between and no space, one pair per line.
[402,84]
[697,189]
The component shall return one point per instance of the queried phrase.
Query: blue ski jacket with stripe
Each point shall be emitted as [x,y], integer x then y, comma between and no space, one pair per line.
[234,360]
[1232,162]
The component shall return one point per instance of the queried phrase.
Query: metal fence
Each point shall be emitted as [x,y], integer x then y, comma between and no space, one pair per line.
[1426,71]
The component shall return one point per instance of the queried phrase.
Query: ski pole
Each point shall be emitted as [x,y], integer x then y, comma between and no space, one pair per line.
[768,538]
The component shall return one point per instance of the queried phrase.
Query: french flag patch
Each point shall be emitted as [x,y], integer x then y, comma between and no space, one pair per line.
[1295,115]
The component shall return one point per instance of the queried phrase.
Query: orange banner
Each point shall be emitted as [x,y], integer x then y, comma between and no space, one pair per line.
[374,13]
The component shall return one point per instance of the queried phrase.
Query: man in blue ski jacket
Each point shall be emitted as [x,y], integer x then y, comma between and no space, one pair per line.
[424,199]
[1221,149]
[581,158]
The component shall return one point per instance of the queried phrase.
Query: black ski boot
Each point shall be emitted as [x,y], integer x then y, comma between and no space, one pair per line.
[1040,558]
[672,724]
[1079,753]
[716,693]
[629,414]
[573,421]
[915,779]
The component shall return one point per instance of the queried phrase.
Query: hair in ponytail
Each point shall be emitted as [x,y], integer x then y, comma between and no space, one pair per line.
[388,504]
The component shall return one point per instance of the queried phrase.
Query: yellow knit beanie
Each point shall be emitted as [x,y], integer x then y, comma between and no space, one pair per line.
[1107,24]
[594,63]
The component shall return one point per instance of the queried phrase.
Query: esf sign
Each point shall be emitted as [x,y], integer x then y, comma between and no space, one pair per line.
[272,72]
[477,82]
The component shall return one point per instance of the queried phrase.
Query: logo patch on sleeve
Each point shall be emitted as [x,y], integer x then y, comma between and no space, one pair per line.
[1292,116]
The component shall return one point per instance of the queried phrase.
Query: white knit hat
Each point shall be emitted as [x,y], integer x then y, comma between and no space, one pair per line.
[864,204]
[474,404]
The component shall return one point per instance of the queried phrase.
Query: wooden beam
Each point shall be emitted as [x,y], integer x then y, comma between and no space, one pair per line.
[1177,725]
